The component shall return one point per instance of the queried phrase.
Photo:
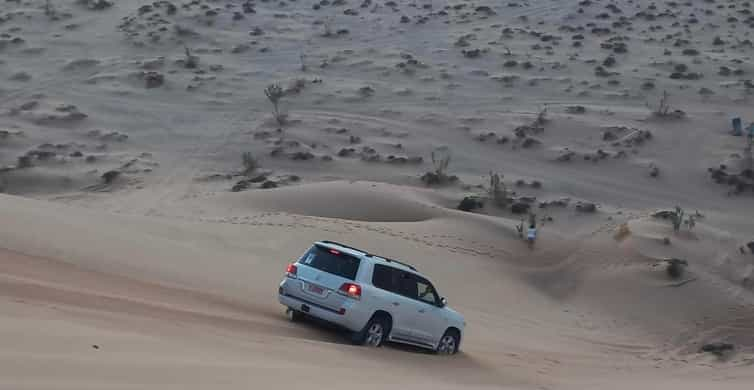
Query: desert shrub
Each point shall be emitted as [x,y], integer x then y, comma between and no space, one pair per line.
[24,162]
[440,160]
[274,93]
[95,5]
[675,267]
[269,184]
[520,208]
[541,117]
[717,349]
[497,190]
[327,26]
[470,203]
[49,9]
[302,59]
[110,176]
[250,164]
[191,61]
[663,109]
[241,185]
[296,86]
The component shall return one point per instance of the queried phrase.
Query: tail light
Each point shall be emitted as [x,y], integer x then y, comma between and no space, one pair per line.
[291,271]
[350,290]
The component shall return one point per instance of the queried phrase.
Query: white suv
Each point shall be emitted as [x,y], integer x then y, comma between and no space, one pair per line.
[377,298]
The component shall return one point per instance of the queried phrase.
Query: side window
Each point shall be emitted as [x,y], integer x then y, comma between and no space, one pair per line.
[395,281]
[427,292]
[384,278]
[404,283]
[409,287]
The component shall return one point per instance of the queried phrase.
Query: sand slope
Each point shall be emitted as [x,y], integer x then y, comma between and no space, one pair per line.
[136,252]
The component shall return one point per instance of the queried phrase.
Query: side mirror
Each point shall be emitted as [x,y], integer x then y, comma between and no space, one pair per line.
[443,302]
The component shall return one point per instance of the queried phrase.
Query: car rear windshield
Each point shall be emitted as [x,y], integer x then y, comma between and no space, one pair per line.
[331,261]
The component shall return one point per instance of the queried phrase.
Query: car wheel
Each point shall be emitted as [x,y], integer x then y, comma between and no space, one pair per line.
[448,343]
[294,315]
[374,333]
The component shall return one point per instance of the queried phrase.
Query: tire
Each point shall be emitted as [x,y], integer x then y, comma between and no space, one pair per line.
[449,343]
[374,333]
[294,315]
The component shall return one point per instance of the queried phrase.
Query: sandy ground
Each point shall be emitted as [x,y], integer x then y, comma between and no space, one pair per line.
[127,260]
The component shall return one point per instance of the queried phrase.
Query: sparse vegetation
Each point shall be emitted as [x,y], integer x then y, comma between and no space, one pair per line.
[327,26]
[49,9]
[95,5]
[663,109]
[274,93]
[24,162]
[110,176]
[717,349]
[191,61]
[440,160]
[675,267]
[497,190]
[470,203]
[250,164]
[541,117]
[302,59]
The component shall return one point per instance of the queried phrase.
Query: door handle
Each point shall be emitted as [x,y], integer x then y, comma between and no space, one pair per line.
[396,304]
[421,310]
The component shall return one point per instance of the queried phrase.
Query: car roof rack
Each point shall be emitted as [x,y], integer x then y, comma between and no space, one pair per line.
[344,246]
[389,260]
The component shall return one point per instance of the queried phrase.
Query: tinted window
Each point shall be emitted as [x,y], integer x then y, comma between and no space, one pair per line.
[404,283]
[427,292]
[409,288]
[385,278]
[331,261]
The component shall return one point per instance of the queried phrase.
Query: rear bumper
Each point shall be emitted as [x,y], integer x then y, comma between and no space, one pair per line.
[347,320]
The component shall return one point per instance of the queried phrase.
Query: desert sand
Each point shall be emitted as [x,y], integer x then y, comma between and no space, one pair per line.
[150,197]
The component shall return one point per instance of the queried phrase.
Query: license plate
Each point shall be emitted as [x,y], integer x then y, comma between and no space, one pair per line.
[315,289]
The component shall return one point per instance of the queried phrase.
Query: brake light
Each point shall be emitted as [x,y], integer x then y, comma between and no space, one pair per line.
[333,251]
[291,270]
[350,290]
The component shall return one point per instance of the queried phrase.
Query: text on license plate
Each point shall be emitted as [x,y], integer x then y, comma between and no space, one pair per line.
[315,289]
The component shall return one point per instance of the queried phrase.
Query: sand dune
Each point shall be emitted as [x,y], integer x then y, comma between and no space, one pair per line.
[151,198]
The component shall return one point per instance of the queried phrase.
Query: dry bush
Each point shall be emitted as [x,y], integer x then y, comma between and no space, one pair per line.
[191,61]
[110,176]
[497,190]
[302,59]
[541,117]
[274,93]
[49,10]
[663,109]
[250,164]
[470,203]
[440,160]
[675,267]
[327,26]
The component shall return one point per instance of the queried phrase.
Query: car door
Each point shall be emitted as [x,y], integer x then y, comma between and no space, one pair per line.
[429,321]
[389,292]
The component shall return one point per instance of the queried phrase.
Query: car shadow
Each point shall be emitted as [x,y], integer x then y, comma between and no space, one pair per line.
[333,333]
